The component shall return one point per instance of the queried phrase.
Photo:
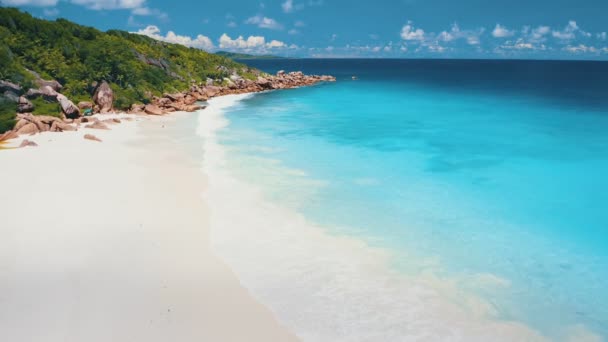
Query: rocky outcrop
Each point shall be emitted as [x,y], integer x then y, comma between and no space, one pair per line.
[68,107]
[104,97]
[153,110]
[169,102]
[24,105]
[56,86]
[9,86]
[8,135]
[28,128]
[60,126]
[31,124]
[11,96]
[186,101]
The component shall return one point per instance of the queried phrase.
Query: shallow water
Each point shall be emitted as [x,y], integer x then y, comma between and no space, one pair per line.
[485,180]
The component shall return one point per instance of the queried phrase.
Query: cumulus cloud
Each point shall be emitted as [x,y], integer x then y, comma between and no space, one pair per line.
[501,32]
[287,6]
[581,48]
[540,32]
[146,11]
[290,6]
[264,22]
[570,32]
[38,3]
[409,32]
[200,41]
[253,43]
[472,37]
[110,4]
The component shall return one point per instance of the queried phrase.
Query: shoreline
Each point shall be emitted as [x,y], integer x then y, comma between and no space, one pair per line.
[344,288]
[97,248]
[185,101]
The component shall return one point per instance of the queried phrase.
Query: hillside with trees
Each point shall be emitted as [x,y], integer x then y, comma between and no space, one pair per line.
[79,58]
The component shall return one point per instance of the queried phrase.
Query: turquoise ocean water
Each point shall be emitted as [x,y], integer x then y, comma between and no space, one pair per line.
[459,168]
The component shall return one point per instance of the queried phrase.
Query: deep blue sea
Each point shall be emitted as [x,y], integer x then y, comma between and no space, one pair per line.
[482,172]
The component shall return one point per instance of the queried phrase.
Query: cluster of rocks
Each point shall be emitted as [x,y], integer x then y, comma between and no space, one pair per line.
[103,98]
[186,101]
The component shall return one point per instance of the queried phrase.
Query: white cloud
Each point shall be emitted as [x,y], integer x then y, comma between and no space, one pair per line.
[287,6]
[37,3]
[251,44]
[501,32]
[540,32]
[299,23]
[200,42]
[570,32]
[231,24]
[146,11]
[275,44]
[110,4]
[581,48]
[408,32]
[293,31]
[472,37]
[264,22]
[602,36]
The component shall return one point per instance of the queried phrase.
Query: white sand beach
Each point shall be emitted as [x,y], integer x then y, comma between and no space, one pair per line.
[109,241]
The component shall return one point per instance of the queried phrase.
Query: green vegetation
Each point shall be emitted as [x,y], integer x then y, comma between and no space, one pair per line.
[136,66]
[235,55]
[43,107]
[7,115]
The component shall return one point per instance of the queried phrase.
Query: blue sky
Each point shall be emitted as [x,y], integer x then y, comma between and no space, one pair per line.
[560,29]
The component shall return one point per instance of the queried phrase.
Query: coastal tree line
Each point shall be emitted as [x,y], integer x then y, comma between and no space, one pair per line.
[136,67]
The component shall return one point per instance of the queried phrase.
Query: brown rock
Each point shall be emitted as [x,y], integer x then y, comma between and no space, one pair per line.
[26,143]
[174,97]
[104,97]
[56,86]
[189,100]
[20,124]
[48,93]
[8,135]
[24,105]
[59,126]
[192,108]
[211,91]
[91,137]
[8,86]
[137,108]
[29,128]
[264,83]
[68,107]
[153,110]
[97,125]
